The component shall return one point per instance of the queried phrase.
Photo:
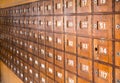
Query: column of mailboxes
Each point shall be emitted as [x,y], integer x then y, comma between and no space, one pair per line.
[71,41]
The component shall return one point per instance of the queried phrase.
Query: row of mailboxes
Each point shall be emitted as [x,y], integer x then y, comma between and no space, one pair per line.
[102,49]
[48,71]
[48,37]
[69,6]
[101,28]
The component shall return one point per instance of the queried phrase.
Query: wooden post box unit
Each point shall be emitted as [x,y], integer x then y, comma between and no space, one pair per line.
[62,41]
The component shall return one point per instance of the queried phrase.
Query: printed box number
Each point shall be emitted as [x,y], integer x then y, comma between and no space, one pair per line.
[58,6]
[59,74]
[70,43]
[84,46]
[103,50]
[70,62]
[103,74]
[50,70]
[59,57]
[85,68]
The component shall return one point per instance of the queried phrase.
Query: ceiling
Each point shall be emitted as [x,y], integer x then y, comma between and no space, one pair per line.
[8,3]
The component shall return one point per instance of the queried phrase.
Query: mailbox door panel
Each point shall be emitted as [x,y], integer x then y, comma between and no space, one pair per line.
[59,58]
[58,6]
[103,50]
[85,47]
[84,25]
[102,26]
[102,73]
[59,75]
[58,24]
[59,41]
[69,77]
[83,6]
[69,6]
[70,62]
[70,24]
[70,43]
[102,5]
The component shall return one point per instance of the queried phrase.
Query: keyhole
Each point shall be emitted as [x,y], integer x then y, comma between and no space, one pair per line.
[96,49]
